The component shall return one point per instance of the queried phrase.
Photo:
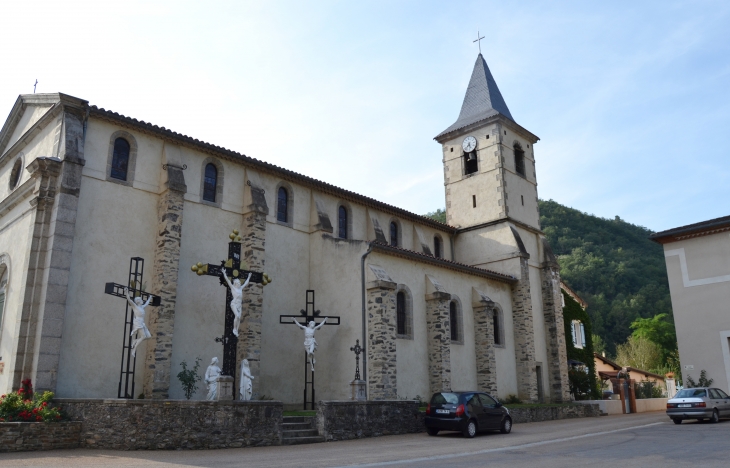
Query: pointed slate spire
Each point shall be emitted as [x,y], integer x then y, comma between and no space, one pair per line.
[482,99]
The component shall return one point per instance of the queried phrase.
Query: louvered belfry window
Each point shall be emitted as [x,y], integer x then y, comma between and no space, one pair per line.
[400,308]
[210,183]
[282,205]
[342,222]
[120,159]
[519,160]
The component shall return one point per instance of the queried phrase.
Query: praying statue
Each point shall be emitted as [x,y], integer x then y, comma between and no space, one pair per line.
[236,302]
[246,388]
[138,324]
[211,378]
[310,344]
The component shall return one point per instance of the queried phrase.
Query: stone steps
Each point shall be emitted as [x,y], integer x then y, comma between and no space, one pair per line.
[299,430]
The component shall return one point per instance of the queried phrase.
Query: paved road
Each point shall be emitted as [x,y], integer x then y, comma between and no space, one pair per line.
[641,440]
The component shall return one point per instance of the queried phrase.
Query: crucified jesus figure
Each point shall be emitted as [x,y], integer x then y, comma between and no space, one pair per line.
[236,302]
[310,344]
[138,324]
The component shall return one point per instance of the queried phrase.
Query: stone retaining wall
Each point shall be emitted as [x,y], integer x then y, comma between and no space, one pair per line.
[343,420]
[175,424]
[24,436]
[551,413]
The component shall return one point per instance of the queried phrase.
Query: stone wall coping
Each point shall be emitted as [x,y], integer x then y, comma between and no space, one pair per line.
[54,423]
[366,403]
[148,402]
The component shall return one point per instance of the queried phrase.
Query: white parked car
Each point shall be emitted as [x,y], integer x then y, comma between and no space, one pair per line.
[700,403]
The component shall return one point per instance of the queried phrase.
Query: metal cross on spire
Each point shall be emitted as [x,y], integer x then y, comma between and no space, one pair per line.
[479,41]
[34,85]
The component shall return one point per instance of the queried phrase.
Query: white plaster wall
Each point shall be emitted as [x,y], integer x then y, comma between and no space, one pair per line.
[16,229]
[701,310]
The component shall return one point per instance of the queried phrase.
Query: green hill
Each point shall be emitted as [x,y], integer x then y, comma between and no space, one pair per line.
[610,263]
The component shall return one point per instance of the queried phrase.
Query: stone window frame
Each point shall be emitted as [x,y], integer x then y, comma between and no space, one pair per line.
[289,204]
[399,235]
[409,312]
[218,181]
[499,313]
[348,208]
[131,164]
[19,175]
[4,268]
[515,145]
[459,320]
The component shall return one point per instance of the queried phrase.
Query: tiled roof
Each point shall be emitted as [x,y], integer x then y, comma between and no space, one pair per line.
[442,262]
[692,230]
[268,167]
[482,99]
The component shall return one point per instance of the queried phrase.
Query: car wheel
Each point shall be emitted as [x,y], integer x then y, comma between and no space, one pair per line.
[431,431]
[715,417]
[677,421]
[470,430]
[506,426]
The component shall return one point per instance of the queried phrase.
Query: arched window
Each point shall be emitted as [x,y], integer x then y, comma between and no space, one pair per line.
[282,205]
[454,321]
[342,222]
[16,173]
[394,234]
[497,327]
[519,159]
[120,159]
[400,311]
[437,247]
[210,182]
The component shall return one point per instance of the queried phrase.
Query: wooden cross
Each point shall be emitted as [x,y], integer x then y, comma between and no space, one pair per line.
[309,314]
[479,41]
[135,285]
[235,269]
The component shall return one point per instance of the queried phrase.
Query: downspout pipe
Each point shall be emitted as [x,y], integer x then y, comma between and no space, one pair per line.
[364,321]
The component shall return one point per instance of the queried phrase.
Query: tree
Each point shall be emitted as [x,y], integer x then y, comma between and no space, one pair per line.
[639,353]
[599,346]
[189,378]
[438,215]
[657,330]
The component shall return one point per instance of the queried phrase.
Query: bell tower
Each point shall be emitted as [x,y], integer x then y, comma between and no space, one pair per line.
[489,163]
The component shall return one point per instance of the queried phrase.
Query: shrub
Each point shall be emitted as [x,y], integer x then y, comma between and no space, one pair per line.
[189,378]
[512,400]
[703,382]
[23,406]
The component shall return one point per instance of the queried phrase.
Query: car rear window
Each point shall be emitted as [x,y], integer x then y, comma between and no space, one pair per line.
[691,393]
[445,399]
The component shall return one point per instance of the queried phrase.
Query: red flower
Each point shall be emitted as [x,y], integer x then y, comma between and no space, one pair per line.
[38,418]
[20,391]
[45,403]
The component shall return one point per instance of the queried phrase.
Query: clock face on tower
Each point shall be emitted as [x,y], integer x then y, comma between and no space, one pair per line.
[469,144]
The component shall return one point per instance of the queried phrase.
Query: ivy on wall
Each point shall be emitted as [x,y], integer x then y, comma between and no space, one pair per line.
[573,311]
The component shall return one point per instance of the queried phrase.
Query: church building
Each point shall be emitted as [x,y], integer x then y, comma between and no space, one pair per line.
[474,304]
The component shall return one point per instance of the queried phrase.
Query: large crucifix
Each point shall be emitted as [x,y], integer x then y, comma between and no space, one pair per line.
[134,322]
[231,272]
[309,316]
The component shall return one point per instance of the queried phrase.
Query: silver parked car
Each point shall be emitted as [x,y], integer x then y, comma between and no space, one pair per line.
[700,403]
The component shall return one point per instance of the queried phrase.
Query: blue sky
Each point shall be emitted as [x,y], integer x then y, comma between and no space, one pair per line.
[630,99]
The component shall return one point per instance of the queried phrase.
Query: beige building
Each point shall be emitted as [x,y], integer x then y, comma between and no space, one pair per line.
[472,304]
[698,267]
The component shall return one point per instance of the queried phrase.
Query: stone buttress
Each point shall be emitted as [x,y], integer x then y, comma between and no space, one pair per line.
[524,332]
[439,336]
[253,249]
[557,365]
[164,284]
[381,331]
[483,308]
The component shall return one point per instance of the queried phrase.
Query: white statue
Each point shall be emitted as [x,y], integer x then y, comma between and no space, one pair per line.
[310,344]
[246,388]
[236,302]
[138,324]
[211,378]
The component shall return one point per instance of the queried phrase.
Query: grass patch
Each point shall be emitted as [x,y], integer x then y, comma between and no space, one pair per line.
[300,413]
